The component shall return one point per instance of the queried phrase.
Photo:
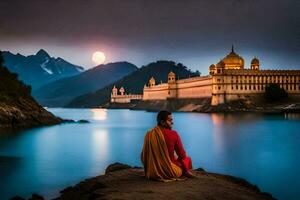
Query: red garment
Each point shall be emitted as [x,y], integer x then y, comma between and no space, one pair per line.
[174,143]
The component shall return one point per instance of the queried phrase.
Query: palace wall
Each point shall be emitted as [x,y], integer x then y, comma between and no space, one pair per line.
[237,84]
[196,87]
[157,92]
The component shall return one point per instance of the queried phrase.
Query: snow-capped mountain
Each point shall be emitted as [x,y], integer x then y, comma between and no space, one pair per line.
[39,69]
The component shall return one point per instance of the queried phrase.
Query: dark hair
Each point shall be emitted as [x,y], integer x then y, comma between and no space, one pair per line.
[162,116]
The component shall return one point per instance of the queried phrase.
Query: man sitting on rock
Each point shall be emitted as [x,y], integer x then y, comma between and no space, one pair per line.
[158,157]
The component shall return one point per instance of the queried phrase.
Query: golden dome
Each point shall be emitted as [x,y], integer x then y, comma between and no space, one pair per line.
[254,61]
[220,64]
[233,61]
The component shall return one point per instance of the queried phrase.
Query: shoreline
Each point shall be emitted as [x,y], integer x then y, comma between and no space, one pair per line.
[204,107]
[14,118]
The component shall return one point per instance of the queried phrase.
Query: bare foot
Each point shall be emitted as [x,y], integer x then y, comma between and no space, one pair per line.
[189,174]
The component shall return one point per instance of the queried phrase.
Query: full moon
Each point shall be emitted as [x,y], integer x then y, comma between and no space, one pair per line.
[98,57]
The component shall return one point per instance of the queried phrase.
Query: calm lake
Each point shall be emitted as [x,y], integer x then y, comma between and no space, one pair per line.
[264,149]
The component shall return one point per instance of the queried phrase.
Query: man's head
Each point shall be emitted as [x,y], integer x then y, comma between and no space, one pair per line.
[165,119]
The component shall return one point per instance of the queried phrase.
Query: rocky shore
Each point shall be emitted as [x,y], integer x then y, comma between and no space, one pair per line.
[203,106]
[124,182]
[25,114]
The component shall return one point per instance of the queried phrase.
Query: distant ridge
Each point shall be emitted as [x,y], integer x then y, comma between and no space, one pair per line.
[61,92]
[134,82]
[39,69]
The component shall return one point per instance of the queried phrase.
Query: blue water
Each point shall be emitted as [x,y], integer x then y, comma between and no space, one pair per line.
[264,149]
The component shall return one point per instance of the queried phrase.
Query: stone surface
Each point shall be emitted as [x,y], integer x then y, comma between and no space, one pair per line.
[121,182]
[24,115]
[116,167]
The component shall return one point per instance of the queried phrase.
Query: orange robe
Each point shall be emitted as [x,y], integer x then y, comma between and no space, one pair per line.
[155,158]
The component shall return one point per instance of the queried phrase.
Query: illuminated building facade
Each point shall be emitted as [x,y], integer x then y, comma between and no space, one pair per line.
[228,80]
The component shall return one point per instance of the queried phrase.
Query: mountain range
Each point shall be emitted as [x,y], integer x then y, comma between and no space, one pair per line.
[56,82]
[61,92]
[39,69]
[134,82]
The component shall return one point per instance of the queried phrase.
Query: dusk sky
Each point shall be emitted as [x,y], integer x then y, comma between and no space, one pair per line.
[196,33]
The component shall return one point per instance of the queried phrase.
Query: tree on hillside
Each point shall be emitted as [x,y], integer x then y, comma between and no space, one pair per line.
[1,59]
[10,87]
[274,93]
[198,73]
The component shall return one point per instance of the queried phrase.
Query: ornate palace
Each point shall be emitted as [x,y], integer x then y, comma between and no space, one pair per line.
[228,80]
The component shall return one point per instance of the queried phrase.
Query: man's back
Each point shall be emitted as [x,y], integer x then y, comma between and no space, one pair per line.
[174,144]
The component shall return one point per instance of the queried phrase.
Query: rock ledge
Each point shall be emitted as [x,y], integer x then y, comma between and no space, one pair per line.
[124,182]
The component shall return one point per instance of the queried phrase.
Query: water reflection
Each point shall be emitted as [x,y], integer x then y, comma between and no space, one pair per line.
[225,139]
[99,114]
[8,164]
[231,136]
[218,137]
[292,116]
[217,119]
[100,150]
[220,119]
[8,133]
[100,145]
